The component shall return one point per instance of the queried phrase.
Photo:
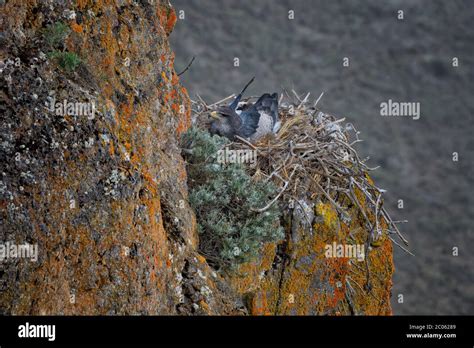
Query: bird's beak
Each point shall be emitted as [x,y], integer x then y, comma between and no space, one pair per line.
[214,115]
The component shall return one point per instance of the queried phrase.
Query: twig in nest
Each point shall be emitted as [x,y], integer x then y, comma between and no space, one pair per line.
[246,142]
[317,101]
[338,208]
[389,219]
[401,247]
[354,199]
[223,100]
[377,203]
[297,96]
[304,101]
[287,182]
[187,67]
[399,221]
[207,107]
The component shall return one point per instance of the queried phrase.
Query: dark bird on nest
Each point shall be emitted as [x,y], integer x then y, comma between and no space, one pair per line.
[246,120]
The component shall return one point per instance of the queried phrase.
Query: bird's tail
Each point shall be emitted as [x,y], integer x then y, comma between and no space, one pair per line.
[236,101]
[246,86]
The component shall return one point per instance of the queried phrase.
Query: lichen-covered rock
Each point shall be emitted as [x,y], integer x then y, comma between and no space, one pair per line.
[103,194]
[91,172]
[298,278]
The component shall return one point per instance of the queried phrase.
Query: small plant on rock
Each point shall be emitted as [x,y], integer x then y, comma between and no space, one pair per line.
[54,36]
[68,61]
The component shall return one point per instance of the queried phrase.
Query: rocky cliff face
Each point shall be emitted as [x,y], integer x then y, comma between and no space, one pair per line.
[103,193]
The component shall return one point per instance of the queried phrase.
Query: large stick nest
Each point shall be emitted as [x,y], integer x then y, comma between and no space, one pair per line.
[312,154]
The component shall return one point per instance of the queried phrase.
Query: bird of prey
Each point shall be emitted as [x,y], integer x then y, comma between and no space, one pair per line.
[246,120]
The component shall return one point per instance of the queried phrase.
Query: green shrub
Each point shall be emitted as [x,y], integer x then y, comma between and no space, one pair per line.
[55,34]
[68,61]
[223,196]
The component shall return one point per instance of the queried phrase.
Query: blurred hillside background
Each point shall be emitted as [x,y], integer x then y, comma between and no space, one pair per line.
[403,60]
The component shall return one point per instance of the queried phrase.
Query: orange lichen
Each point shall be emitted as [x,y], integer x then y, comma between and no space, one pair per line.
[152,186]
[81,4]
[167,19]
[76,27]
[201,258]
[329,214]
[337,271]
[259,305]
[126,110]
[205,307]
[164,77]
[175,108]
[171,21]
[247,276]
[174,79]
[111,149]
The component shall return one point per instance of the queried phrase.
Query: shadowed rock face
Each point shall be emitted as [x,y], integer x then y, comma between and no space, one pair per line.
[104,195]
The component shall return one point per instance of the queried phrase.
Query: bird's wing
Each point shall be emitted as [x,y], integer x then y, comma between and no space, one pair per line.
[249,125]
[267,105]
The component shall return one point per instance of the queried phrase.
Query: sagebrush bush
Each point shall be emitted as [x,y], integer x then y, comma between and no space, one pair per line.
[223,196]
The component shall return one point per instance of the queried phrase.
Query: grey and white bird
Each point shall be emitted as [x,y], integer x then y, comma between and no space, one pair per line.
[246,120]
